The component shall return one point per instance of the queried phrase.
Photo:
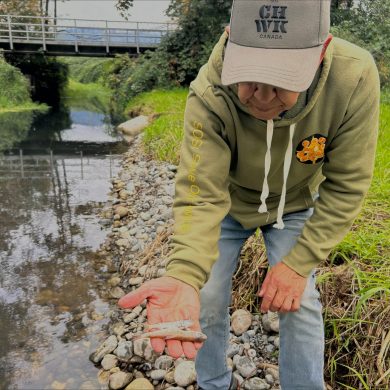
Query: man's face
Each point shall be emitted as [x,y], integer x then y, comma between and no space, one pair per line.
[266,101]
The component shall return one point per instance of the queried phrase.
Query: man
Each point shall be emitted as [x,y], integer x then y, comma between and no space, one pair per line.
[280,133]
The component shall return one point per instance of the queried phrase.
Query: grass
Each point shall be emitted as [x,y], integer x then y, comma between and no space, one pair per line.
[24,107]
[354,281]
[163,137]
[92,96]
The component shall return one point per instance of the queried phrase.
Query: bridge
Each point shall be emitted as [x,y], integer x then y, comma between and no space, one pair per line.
[84,37]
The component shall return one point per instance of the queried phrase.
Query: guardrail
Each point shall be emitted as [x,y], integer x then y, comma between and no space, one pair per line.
[81,32]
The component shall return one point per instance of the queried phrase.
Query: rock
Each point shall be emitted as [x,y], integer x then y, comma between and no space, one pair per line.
[251,353]
[241,321]
[170,377]
[270,321]
[175,388]
[185,373]
[233,349]
[163,362]
[117,292]
[270,348]
[134,126]
[107,347]
[104,377]
[145,216]
[273,372]
[140,346]
[269,379]
[124,350]
[109,361]
[123,194]
[256,384]
[119,329]
[130,317]
[114,281]
[238,377]
[105,222]
[120,379]
[121,211]
[123,242]
[245,367]
[136,281]
[140,384]
[157,374]
[56,385]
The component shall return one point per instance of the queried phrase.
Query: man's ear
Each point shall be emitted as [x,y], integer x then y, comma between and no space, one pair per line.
[325,46]
[227,29]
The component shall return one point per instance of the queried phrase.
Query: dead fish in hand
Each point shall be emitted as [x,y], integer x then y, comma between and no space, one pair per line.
[176,334]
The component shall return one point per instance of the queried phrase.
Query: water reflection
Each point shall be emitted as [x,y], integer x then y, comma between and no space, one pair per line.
[14,128]
[51,190]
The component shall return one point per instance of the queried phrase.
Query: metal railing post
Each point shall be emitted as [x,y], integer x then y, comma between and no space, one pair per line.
[76,45]
[27,34]
[11,43]
[137,38]
[43,33]
[107,38]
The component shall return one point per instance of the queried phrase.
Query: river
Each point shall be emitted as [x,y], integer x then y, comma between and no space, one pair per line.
[55,172]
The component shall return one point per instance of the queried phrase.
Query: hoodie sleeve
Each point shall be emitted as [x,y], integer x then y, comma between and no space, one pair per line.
[202,198]
[348,170]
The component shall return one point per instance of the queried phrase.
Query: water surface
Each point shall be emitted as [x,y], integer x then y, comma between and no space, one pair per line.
[54,178]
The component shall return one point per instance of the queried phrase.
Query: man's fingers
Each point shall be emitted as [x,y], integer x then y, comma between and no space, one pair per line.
[198,345]
[189,349]
[268,297]
[286,307]
[296,304]
[264,285]
[157,344]
[175,348]
[277,301]
[134,298]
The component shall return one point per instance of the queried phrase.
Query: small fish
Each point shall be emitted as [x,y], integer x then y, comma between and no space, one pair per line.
[176,334]
[181,324]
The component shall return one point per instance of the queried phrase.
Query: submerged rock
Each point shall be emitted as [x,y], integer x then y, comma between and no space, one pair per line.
[107,347]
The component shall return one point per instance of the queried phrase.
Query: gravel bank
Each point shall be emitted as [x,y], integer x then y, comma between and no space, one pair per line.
[140,216]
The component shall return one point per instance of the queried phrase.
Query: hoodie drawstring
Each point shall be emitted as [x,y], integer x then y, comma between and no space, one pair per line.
[267,165]
[286,168]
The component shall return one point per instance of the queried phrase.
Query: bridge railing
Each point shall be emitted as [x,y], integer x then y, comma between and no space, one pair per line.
[77,32]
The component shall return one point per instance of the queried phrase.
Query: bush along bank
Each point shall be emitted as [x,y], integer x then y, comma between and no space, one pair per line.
[140,216]
[14,90]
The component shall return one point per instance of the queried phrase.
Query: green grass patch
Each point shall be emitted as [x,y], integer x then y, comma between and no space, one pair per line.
[163,137]
[24,107]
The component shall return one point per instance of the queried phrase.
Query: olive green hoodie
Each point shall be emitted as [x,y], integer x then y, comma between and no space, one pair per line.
[224,161]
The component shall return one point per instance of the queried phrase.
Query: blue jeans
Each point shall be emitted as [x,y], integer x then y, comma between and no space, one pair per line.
[301,354]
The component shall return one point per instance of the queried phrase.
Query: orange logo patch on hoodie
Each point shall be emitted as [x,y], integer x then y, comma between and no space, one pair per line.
[311,150]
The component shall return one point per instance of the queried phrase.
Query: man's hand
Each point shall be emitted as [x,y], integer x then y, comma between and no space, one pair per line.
[282,289]
[168,300]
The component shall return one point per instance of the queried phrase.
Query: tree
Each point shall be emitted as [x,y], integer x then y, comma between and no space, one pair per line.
[123,6]
[17,7]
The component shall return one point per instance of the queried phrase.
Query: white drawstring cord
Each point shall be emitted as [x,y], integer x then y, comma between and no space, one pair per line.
[286,168]
[267,165]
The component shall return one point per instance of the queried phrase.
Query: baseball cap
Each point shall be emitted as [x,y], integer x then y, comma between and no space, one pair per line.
[276,42]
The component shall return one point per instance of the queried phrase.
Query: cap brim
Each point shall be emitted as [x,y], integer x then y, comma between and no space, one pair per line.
[291,69]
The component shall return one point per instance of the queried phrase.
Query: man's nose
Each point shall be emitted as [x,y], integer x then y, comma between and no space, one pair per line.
[264,93]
